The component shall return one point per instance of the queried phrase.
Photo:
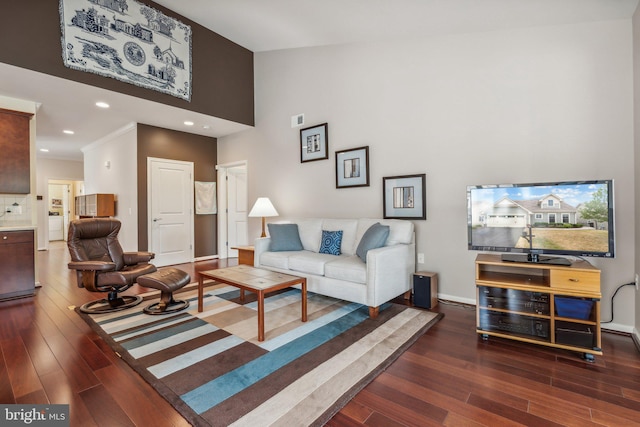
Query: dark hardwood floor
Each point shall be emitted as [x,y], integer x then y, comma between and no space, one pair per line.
[448,377]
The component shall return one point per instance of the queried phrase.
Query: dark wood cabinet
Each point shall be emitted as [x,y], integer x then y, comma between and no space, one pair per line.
[15,172]
[17,264]
[95,205]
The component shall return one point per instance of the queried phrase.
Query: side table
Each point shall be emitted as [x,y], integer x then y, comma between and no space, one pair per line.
[245,254]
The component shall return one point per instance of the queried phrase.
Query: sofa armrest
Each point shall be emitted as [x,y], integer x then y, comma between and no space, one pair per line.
[389,272]
[261,245]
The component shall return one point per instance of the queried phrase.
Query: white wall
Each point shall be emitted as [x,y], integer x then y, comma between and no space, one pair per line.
[69,170]
[530,105]
[120,178]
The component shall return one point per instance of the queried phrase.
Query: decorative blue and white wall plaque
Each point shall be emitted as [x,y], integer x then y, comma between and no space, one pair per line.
[128,41]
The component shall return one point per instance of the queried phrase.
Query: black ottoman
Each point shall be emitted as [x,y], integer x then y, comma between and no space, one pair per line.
[166,280]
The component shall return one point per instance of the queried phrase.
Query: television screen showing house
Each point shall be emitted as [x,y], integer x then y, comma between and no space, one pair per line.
[573,217]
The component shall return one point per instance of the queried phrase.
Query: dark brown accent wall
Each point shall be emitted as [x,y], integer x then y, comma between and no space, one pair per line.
[174,145]
[222,71]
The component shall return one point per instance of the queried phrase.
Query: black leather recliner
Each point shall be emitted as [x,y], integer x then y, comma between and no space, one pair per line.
[102,265]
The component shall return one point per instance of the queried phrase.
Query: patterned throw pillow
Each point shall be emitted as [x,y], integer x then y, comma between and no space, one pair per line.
[331,241]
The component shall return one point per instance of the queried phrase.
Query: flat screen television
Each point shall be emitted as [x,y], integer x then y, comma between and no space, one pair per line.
[539,222]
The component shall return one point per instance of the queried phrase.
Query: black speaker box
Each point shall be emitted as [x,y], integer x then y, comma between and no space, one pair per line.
[425,293]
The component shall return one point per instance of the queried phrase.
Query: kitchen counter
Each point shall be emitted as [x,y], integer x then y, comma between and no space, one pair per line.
[16,227]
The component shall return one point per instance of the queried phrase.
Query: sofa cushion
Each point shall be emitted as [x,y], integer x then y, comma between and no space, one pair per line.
[375,237]
[309,262]
[310,233]
[331,242]
[284,237]
[349,268]
[276,259]
[400,230]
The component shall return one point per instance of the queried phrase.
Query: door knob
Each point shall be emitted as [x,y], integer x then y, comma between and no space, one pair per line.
[156,219]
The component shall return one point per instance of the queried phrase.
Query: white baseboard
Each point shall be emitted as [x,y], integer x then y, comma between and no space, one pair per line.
[617,327]
[205,258]
[636,338]
[454,298]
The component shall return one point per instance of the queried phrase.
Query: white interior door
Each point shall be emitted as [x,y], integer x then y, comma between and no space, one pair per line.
[170,207]
[237,210]
[232,208]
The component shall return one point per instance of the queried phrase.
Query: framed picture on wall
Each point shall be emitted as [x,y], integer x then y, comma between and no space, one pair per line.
[404,197]
[314,143]
[352,167]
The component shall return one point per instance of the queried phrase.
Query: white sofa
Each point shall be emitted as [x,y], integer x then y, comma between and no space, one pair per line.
[385,275]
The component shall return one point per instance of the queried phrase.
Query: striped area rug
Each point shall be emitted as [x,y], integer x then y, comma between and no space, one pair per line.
[212,369]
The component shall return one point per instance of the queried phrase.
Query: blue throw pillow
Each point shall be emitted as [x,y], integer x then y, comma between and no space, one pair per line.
[284,237]
[374,237]
[331,242]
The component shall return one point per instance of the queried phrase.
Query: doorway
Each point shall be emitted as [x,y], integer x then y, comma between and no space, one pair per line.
[233,211]
[60,207]
[170,204]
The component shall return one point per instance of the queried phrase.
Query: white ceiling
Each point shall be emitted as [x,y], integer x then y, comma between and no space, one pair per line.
[260,26]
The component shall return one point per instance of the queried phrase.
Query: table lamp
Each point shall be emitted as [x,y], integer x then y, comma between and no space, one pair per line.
[263,208]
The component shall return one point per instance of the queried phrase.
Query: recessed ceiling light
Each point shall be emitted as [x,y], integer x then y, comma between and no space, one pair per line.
[188,123]
[68,132]
[44,150]
[206,127]
[102,104]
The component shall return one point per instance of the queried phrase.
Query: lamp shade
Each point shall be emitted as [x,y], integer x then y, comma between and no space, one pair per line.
[263,207]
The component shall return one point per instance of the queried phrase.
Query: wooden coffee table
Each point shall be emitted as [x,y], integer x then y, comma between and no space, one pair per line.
[256,280]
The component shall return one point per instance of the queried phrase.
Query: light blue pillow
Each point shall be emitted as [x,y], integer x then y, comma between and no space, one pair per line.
[374,237]
[331,242]
[284,237]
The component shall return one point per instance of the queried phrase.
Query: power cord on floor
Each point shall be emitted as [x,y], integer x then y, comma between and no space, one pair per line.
[614,295]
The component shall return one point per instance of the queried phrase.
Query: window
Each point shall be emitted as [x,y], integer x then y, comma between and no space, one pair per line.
[565,218]
[552,218]
[550,203]
[538,216]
